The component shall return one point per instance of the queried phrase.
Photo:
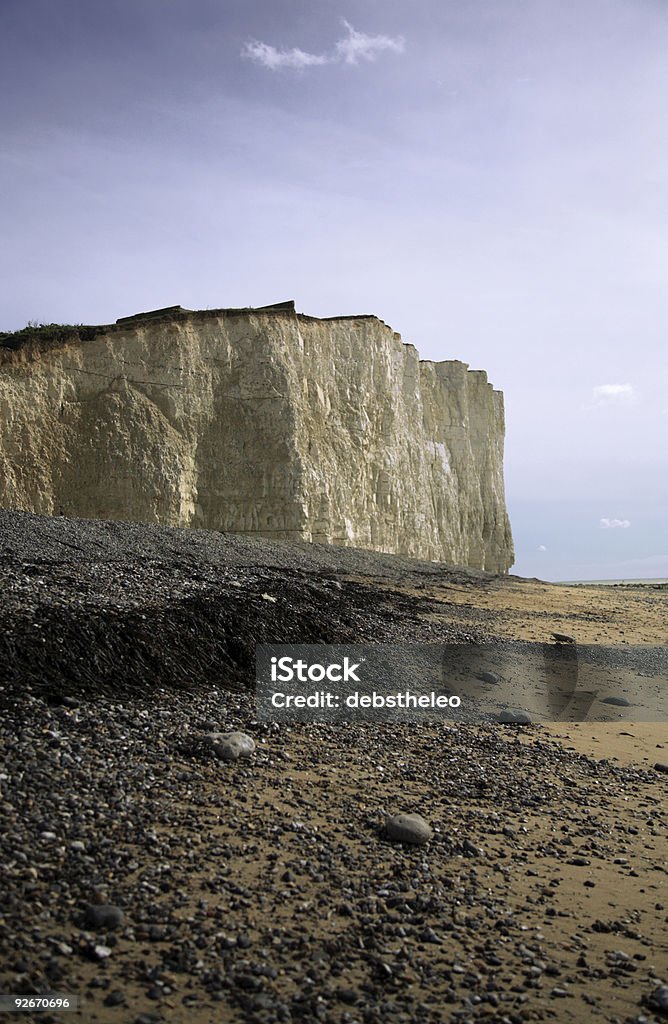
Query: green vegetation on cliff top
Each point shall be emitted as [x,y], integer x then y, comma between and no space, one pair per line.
[34,332]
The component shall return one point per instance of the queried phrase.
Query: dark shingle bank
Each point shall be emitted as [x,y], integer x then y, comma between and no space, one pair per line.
[109,607]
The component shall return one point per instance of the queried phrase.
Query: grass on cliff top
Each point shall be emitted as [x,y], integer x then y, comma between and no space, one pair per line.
[34,332]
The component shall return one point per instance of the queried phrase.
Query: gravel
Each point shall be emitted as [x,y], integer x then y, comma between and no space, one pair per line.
[240,881]
[160,882]
[120,608]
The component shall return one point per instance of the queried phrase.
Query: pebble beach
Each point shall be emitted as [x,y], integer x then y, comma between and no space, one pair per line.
[157,880]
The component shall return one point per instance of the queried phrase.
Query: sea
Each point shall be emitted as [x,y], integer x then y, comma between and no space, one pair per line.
[613,583]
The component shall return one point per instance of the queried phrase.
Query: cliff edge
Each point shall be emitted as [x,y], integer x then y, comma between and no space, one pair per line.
[257,421]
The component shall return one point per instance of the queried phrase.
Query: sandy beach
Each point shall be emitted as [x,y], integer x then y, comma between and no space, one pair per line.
[267,889]
[631,615]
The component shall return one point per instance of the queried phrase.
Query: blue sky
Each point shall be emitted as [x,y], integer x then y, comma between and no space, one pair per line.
[487,176]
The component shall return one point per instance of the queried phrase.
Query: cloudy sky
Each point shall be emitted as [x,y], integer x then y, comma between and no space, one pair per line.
[487,176]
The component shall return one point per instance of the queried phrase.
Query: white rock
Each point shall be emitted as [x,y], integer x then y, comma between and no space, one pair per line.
[270,423]
[230,746]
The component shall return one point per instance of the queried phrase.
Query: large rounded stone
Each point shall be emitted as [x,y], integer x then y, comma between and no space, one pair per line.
[230,746]
[513,717]
[408,828]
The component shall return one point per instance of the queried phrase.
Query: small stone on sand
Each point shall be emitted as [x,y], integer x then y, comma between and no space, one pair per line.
[104,916]
[510,717]
[408,828]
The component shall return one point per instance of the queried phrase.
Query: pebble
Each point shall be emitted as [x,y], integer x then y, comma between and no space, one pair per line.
[662,767]
[115,998]
[408,828]
[230,746]
[105,916]
[471,850]
[658,999]
[510,717]
[489,677]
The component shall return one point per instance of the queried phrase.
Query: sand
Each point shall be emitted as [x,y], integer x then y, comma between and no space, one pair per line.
[265,890]
[628,614]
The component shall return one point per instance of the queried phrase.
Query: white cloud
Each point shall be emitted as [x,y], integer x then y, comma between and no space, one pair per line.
[614,524]
[353,48]
[614,394]
[541,547]
[272,58]
[359,46]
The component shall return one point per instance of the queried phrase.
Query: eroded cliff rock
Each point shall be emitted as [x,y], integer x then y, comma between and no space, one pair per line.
[258,421]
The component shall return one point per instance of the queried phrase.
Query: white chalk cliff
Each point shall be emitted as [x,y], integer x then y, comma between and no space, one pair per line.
[265,422]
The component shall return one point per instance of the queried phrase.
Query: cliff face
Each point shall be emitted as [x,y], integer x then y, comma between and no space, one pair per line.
[260,421]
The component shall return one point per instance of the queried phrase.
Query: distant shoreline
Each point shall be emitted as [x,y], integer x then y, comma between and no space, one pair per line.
[661,581]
